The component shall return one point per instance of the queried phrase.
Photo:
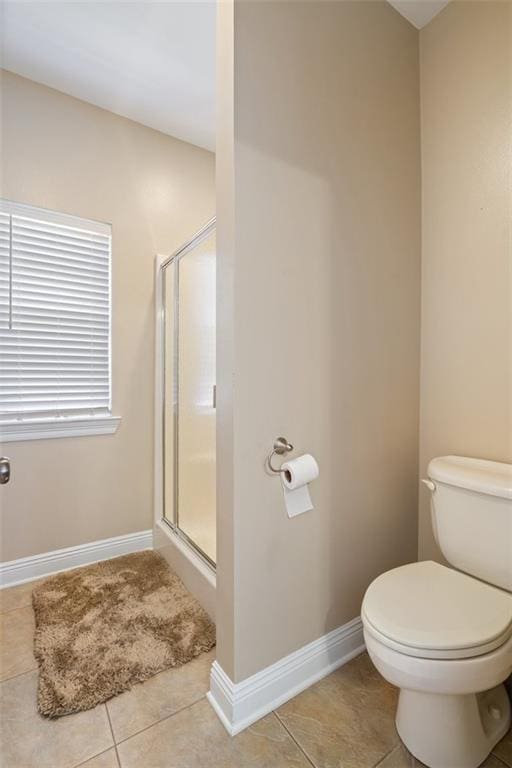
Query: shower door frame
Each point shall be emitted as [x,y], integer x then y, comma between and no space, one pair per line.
[170,526]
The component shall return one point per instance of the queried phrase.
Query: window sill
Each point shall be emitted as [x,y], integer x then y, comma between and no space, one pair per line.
[44,429]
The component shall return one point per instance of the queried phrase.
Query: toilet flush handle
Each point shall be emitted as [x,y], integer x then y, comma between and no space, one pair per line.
[430,485]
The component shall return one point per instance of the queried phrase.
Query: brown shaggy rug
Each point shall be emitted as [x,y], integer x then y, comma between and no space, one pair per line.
[102,628]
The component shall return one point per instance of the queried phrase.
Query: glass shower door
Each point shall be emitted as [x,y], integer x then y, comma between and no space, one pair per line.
[189,411]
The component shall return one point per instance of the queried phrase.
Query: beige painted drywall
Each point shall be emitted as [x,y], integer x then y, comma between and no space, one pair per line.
[319,290]
[225,188]
[466,130]
[64,154]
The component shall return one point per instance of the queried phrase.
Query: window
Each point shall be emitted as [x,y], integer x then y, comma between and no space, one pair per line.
[55,307]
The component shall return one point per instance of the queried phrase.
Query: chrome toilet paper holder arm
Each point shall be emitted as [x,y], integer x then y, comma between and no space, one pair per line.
[280,447]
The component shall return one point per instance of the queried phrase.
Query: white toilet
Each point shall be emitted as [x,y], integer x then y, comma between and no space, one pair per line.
[444,637]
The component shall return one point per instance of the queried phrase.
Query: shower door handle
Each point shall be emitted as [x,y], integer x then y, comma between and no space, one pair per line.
[5,470]
[214,396]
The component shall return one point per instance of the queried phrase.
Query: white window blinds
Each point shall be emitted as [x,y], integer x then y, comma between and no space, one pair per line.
[54,314]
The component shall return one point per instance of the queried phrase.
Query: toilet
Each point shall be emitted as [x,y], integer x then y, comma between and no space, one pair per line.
[443,635]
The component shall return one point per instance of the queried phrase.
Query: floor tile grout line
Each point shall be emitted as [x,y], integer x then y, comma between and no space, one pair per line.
[18,608]
[113,737]
[384,757]
[105,704]
[20,674]
[103,752]
[292,737]
[500,760]
[121,741]
[161,720]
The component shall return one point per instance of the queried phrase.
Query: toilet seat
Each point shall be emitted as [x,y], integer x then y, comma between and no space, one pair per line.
[430,611]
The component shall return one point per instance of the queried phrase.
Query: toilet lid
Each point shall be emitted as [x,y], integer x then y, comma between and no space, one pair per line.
[436,611]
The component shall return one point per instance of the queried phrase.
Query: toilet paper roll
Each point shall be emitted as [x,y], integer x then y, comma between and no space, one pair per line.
[295,476]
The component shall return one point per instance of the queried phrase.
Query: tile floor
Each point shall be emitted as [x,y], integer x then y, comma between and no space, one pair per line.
[344,721]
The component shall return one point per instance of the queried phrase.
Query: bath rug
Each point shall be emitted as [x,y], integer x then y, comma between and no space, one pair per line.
[102,628]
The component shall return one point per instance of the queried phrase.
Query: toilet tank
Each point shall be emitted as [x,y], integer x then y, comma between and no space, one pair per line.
[471,502]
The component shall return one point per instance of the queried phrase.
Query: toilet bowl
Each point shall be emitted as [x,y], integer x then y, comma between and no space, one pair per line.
[449,729]
[444,637]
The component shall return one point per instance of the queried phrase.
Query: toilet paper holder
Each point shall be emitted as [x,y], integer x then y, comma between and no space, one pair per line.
[280,447]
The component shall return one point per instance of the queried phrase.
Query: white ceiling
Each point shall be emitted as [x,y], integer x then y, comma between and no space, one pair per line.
[419,12]
[153,62]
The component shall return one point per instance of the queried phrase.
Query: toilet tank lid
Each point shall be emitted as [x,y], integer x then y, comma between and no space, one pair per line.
[490,477]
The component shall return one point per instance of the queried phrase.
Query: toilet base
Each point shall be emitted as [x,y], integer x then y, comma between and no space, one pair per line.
[452,731]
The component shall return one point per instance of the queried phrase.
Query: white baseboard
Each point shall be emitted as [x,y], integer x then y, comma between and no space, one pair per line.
[238,705]
[30,568]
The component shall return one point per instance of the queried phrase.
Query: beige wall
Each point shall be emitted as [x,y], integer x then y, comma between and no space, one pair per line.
[322,298]
[64,154]
[225,178]
[466,107]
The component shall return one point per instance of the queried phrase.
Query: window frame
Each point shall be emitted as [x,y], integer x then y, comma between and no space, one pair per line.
[76,424]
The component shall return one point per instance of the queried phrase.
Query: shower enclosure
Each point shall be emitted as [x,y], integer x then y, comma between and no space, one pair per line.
[186,394]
